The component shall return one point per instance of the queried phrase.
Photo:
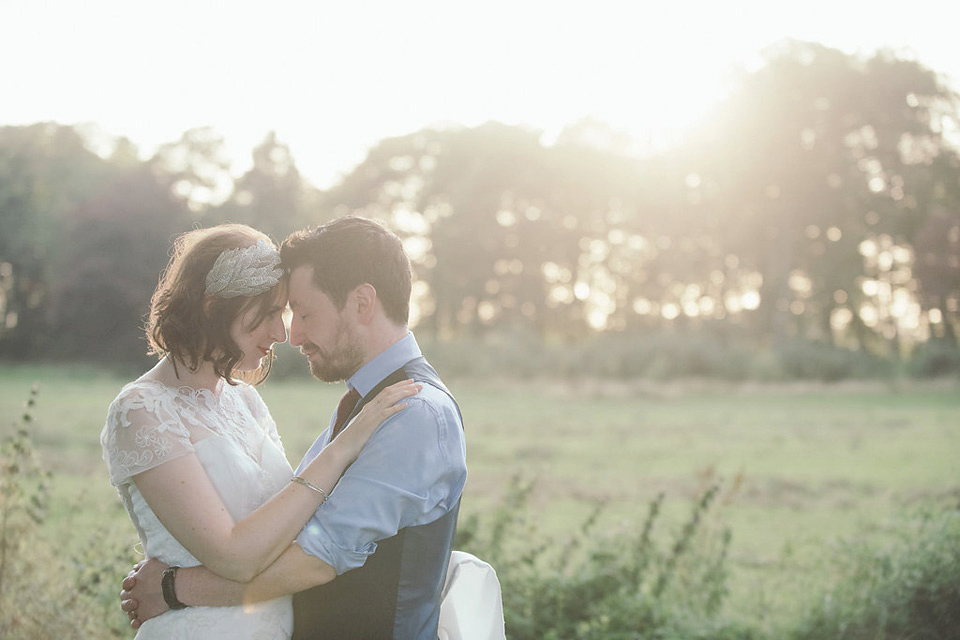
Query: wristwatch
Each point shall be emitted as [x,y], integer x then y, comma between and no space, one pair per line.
[167,587]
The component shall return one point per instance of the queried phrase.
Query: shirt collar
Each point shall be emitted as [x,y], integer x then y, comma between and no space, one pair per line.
[386,362]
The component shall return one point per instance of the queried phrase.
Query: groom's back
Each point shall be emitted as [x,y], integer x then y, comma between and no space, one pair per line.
[396,593]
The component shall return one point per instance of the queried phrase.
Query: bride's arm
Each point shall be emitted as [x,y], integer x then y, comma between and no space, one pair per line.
[181,495]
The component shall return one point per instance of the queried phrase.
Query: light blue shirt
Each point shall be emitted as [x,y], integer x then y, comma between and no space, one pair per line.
[410,473]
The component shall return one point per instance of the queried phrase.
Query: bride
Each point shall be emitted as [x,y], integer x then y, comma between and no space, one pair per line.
[191,447]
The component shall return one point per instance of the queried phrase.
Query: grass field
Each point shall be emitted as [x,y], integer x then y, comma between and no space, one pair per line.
[801,467]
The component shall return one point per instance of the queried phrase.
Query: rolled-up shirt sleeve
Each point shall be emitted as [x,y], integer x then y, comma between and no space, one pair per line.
[411,472]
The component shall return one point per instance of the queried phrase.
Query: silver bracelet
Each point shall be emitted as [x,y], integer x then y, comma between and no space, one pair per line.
[311,486]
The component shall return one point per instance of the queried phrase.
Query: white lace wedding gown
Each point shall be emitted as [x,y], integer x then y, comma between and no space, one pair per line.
[237,443]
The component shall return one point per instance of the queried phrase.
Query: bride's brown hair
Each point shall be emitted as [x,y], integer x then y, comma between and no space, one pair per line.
[193,327]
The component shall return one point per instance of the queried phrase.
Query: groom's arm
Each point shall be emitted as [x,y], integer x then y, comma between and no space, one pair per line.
[293,571]
[409,474]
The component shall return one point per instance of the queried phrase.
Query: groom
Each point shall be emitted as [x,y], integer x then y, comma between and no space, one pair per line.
[372,560]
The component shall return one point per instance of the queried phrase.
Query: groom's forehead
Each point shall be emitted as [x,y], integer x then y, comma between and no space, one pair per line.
[307,294]
[302,274]
[301,284]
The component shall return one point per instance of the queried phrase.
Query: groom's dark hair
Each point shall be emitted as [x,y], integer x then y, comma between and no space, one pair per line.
[348,252]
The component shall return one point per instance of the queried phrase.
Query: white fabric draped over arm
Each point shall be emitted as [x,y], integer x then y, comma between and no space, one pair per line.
[472,607]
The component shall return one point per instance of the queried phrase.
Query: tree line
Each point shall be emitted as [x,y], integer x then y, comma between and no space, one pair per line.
[820,200]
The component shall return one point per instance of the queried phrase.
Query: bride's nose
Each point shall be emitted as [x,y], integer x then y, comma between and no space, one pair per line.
[279,331]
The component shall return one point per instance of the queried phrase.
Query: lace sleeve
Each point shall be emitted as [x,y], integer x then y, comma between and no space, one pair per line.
[143,430]
[258,409]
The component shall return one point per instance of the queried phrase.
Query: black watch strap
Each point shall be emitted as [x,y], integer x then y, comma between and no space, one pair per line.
[169,591]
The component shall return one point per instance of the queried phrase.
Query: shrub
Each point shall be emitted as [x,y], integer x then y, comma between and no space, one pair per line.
[51,588]
[806,360]
[935,358]
[606,586]
[671,355]
[907,590]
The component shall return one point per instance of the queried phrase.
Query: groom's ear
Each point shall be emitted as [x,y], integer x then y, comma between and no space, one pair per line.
[365,299]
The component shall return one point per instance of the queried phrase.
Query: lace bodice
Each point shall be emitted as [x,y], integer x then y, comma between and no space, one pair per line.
[236,441]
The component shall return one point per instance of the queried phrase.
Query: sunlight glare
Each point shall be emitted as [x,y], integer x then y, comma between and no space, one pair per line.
[750,300]
[840,319]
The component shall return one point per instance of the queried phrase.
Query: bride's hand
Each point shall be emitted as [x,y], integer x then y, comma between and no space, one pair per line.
[142,597]
[385,404]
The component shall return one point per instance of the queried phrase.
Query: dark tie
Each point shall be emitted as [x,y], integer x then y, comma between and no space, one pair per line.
[347,403]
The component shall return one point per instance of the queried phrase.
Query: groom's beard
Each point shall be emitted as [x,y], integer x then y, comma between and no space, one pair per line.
[342,361]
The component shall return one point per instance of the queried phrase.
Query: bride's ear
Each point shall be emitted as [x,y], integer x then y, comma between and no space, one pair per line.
[207,304]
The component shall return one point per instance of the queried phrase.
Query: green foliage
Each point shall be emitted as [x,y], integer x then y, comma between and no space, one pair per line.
[666,356]
[635,584]
[271,196]
[903,591]
[935,358]
[45,171]
[63,581]
[808,360]
[639,585]
[60,588]
[23,492]
[840,202]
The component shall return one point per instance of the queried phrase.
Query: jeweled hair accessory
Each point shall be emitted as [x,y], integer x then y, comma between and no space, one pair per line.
[247,271]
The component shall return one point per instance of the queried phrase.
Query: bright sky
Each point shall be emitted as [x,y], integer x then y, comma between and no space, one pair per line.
[334,78]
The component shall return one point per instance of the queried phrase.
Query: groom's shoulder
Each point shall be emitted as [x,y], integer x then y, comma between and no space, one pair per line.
[423,372]
[435,396]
